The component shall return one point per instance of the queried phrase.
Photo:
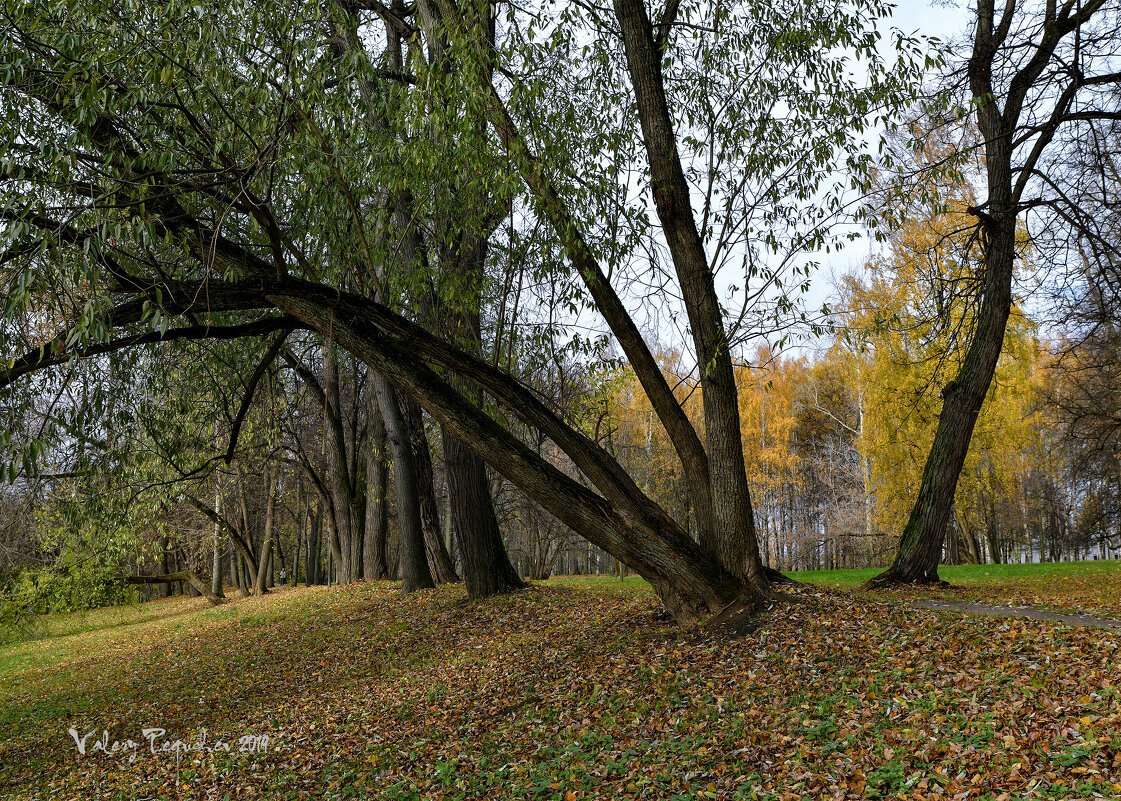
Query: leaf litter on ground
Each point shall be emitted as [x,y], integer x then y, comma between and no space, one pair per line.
[565,693]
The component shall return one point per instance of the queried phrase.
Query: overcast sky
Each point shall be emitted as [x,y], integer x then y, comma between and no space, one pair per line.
[945,20]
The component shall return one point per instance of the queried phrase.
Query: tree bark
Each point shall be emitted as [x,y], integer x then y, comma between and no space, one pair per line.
[216,562]
[375,562]
[315,529]
[264,568]
[730,538]
[486,565]
[439,562]
[347,490]
[412,562]
[690,583]
[920,545]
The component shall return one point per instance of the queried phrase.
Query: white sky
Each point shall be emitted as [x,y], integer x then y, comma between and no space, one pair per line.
[947,21]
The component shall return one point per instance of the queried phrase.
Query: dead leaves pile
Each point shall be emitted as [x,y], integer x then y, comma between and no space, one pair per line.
[570,694]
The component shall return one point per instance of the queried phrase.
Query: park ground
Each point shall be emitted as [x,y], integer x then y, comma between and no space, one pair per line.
[576,689]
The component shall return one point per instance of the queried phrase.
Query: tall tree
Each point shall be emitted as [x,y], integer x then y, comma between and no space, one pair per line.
[1037,77]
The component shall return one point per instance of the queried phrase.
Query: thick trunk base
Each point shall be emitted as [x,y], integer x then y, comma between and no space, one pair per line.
[898,578]
[775,577]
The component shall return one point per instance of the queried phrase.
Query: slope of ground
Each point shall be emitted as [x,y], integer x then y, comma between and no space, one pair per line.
[559,692]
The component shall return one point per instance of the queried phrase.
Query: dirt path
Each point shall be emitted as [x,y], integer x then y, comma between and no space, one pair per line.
[1019,611]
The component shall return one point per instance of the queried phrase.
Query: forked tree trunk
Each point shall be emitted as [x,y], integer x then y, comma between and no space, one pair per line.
[730,539]
[1000,105]
[629,526]
[264,565]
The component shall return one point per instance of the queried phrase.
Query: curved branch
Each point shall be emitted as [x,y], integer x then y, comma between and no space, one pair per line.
[48,355]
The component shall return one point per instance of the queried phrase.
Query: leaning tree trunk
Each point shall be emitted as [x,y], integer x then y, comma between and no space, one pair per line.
[166,579]
[624,522]
[920,546]
[1003,107]
[731,539]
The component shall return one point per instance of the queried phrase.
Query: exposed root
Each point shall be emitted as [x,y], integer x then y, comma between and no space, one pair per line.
[775,577]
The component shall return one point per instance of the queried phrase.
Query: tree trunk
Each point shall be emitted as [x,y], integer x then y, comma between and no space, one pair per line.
[216,564]
[315,524]
[486,565]
[263,571]
[412,562]
[730,539]
[166,579]
[164,590]
[347,490]
[921,542]
[264,566]
[627,525]
[375,562]
[439,562]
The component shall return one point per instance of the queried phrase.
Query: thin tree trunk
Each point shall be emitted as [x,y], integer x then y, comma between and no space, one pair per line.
[164,590]
[264,567]
[348,504]
[216,564]
[375,561]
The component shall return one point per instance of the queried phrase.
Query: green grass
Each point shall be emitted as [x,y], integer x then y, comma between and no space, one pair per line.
[851,579]
[573,689]
[966,574]
[73,636]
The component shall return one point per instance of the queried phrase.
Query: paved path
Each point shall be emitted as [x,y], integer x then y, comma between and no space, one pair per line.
[1020,611]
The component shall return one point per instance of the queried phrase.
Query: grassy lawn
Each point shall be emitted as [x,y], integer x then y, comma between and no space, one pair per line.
[1089,587]
[973,574]
[570,690]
